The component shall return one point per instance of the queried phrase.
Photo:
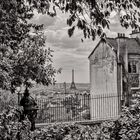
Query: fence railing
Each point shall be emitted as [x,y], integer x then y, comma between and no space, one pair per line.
[77,107]
[69,108]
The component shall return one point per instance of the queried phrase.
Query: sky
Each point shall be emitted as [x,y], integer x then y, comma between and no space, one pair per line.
[69,52]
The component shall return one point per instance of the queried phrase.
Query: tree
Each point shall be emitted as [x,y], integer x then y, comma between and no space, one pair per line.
[90,16]
[33,63]
[23,57]
[71,104]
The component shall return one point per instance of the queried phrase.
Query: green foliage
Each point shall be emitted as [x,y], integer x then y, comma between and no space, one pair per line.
[129,121]
[7,99]
[72,103]
[33,63]
[67,132]
[23,57]
[85,14]
[93,14]
[14,16]
[90,16]
[43,114]
[125,128]
[11,128]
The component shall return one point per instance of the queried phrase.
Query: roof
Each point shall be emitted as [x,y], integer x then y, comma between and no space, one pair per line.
[133,45]
[95,48]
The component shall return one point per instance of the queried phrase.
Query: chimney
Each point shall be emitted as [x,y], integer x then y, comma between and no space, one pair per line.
[121,35]
[122,52]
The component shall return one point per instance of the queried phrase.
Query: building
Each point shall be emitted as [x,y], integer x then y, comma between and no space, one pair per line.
[114,72]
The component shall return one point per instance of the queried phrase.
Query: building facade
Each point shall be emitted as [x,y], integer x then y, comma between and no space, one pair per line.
[114,72]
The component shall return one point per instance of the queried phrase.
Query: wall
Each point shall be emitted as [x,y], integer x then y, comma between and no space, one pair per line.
[103,80]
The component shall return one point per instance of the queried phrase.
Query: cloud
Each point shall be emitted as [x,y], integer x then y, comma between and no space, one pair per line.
[115,26]
[60,38]
[43,19]
[71,53]
[113,14]
[69,61]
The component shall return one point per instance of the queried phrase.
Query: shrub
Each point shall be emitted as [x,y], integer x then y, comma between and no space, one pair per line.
[72,103]
[127,127]
[68,132]
[11,128]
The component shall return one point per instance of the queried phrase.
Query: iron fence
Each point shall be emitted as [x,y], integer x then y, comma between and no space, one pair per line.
[76,107]
[68,108]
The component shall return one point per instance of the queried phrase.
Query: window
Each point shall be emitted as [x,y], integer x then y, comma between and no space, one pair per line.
[132,67]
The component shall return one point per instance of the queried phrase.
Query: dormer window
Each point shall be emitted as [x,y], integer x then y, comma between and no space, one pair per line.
[132,67]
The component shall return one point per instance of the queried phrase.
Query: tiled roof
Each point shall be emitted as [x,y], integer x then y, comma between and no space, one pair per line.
[133,44]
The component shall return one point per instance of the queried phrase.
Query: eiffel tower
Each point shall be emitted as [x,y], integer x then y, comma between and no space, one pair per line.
[72,83]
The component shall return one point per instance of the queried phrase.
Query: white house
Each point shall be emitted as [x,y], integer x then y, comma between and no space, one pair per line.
[113,62]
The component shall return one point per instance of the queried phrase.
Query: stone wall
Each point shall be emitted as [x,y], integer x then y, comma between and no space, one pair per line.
[103,80]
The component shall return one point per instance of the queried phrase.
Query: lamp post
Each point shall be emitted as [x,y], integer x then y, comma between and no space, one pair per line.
[18,89]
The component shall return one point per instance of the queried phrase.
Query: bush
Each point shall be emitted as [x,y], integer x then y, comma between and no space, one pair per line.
[6,99]
[67,132]
[127,127]
[11,128]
